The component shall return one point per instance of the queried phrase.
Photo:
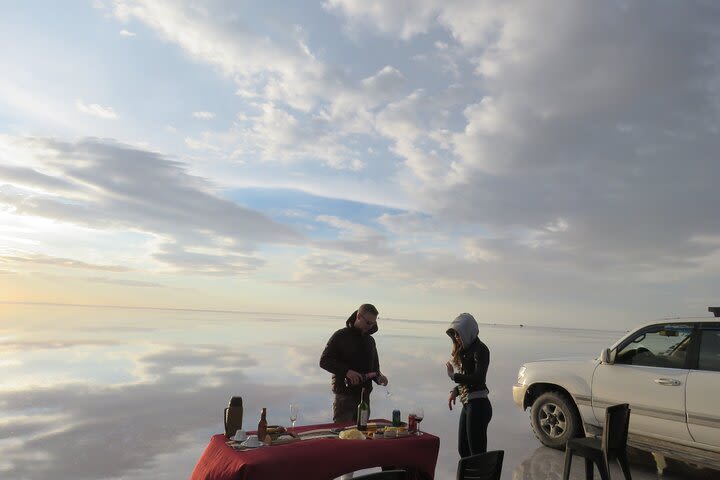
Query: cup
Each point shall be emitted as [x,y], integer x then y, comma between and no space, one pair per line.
[240,436]
[251,441]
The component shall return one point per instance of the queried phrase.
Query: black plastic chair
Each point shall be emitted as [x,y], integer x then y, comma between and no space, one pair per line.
[483,466]
[386,475]
[612,446]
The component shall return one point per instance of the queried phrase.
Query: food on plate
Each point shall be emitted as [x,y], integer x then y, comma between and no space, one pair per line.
[352,434]
[372,426]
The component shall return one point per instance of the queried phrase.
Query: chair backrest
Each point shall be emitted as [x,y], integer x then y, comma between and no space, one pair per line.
[483,466]
[386,475]
[615,433]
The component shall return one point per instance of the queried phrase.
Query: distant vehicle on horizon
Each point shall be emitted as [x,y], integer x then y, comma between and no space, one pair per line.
[669,373]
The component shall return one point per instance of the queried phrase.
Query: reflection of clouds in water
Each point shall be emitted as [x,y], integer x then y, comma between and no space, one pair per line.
[548,464]
[128,408]
[79,430]
[7,346]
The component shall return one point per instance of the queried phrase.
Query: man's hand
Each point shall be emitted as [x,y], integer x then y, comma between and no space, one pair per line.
[451,399]
[382,380]
[450,370]
[354,377]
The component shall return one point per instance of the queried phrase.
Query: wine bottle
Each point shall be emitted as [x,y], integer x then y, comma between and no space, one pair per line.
[363,412]
[262,425]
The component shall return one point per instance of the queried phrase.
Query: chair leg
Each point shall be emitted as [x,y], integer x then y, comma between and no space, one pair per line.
[589,469]
[603,467]
[624,465]
[568,462]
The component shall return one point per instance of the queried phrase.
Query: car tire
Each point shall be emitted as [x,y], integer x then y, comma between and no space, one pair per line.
[554,419]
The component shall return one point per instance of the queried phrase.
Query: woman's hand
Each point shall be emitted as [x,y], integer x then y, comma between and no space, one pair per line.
[382,380]
[451,399]
[450,370]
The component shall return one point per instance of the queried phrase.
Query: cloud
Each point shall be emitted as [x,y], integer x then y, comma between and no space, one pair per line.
[590,139]
[127,33]
[124,282]
[216,263]
[32,178]
[405,18]
[106,113]
[299,108]
[40,259]
[282,136]
[280,69]
[107,185]
[204,115]
[195,144]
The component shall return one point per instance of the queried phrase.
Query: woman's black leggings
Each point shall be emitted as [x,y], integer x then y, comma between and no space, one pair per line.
[472,432]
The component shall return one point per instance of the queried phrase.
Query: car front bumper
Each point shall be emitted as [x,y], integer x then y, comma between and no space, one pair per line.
[519,394]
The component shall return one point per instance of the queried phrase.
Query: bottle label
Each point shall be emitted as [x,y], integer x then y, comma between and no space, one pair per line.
[364,417]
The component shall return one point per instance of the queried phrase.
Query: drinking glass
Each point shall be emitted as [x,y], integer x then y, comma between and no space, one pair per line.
[419,415]
[294,410]
[388,394]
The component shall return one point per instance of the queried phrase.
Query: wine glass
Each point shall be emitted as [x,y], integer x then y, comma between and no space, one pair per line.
[388,394]
[294,411]
[419,414]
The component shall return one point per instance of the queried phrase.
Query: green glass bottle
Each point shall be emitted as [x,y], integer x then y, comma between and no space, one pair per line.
[363,412]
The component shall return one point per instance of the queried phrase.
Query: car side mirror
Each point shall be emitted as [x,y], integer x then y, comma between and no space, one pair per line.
[605,356]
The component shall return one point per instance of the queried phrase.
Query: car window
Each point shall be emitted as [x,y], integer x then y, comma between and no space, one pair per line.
[709,350]
[659,346]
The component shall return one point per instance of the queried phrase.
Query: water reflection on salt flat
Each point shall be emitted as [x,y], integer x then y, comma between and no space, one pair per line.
[548,464]
[133,394]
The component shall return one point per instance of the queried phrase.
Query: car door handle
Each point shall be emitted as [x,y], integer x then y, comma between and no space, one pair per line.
[670,382]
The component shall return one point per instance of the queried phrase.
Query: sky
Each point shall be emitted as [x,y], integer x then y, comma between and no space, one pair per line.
[527,164]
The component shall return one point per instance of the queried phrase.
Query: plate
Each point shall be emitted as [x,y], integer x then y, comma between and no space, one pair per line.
[285,439]
[240,446]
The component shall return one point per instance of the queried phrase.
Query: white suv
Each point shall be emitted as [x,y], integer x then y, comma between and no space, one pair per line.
[669,373]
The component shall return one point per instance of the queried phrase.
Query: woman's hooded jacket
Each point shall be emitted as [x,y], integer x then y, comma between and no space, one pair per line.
[474,358]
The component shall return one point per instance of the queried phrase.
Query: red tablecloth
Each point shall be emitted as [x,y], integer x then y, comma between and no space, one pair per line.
[322,459]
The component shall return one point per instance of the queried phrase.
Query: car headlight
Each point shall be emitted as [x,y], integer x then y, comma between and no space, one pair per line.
[521,374]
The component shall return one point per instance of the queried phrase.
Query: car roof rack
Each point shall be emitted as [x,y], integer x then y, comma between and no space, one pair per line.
[714,310]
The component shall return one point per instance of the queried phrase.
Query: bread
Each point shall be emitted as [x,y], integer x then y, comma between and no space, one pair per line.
[352,434]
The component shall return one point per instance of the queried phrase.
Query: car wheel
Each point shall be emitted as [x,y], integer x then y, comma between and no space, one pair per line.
[554,419]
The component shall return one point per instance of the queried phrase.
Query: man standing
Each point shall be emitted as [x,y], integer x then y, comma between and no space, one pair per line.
[351,356]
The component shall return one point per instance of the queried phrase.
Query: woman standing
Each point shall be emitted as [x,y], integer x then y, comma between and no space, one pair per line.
[471,357]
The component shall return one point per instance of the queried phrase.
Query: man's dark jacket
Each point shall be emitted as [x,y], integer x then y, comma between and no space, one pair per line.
[350,349]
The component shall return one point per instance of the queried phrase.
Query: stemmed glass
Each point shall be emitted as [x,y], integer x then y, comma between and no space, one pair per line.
[419,414]
[388,394]
[294,410]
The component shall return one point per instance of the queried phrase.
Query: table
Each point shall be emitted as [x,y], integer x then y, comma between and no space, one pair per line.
[321,459]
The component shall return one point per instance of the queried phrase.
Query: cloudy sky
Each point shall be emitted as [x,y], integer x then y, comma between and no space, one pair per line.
[525,162]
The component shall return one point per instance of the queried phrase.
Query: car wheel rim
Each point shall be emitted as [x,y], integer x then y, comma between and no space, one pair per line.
[552,420]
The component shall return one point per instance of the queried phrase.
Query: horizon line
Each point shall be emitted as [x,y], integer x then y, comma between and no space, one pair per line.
[209,310]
